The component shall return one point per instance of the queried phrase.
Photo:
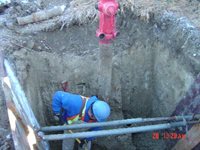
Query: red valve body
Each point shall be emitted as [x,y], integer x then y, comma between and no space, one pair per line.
[107,22]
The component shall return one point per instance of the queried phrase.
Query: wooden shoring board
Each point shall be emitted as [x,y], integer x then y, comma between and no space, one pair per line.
[22,119]
[19,132]
[192,139]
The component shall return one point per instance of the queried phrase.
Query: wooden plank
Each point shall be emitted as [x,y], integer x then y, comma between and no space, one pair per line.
[17,127]
[11,107]
[22,119]
[18,134]
[192,139]
[41,15]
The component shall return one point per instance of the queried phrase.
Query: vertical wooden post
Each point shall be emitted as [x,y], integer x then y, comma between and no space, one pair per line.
[22,119]
[192,139]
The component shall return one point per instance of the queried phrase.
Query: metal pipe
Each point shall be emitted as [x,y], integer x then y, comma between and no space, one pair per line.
[113,123]
[118,131]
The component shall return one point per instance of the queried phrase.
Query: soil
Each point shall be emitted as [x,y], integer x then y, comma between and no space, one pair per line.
[186,9]
[5,135]
[189,9]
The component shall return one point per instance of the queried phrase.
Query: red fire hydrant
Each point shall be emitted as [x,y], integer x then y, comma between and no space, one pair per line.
[107,22]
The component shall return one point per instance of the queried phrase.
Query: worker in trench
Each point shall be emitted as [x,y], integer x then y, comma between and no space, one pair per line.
[71,108]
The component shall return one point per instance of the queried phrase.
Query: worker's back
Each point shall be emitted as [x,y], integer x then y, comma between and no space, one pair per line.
[69,102]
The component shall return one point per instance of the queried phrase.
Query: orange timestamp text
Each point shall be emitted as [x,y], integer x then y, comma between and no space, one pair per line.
[168,136]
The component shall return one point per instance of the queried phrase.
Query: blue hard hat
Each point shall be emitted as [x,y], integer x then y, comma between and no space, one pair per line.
[101,110]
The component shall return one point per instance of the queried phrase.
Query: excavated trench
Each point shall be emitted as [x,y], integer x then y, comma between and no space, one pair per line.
[145,72]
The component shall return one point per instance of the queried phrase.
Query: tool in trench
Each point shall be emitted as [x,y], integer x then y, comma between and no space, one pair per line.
[65,85]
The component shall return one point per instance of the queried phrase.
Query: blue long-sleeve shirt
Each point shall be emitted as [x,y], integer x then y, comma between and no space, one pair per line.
[71,105]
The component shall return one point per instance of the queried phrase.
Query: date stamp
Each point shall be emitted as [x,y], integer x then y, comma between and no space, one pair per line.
[168,136]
